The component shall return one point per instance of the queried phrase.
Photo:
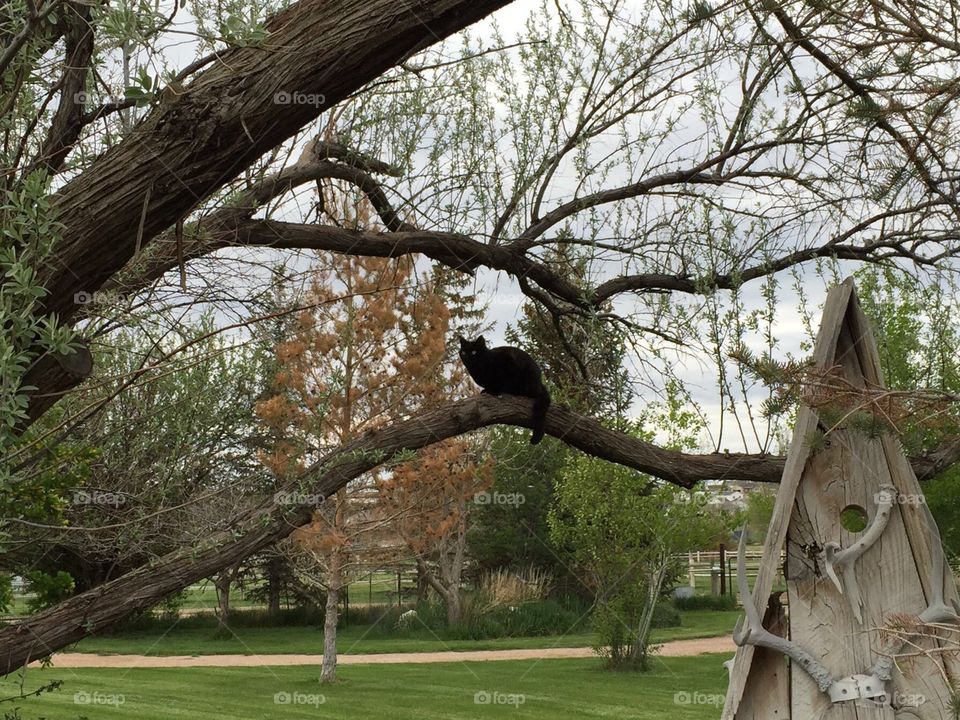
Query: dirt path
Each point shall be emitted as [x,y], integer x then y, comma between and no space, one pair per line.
[676,648]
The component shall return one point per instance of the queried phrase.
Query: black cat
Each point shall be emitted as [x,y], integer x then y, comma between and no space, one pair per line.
[507,370]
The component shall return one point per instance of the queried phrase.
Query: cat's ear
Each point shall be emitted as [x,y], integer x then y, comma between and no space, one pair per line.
[463,341]
[481,342]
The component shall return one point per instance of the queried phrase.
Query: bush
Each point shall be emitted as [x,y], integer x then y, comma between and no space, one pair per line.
[706,602]
[483,622]
[6,592]
[665,615]
[554,616]
[169,610]
[159,618]
[48,589]
[370,615]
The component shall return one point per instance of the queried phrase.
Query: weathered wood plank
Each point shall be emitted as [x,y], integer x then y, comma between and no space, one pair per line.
[833,313]
[766,695]
[894,575]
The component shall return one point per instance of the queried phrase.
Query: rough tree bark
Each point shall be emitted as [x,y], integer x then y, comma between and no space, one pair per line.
[273,585]
[69,621]
[328,672]
[222,582]
[203,135]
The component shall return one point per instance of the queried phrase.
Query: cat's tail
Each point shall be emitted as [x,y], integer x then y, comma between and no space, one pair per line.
[541,403]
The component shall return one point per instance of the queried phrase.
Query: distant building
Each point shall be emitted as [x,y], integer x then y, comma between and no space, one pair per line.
[726,494]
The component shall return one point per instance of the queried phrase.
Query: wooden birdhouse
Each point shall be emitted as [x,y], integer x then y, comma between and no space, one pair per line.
[869,630]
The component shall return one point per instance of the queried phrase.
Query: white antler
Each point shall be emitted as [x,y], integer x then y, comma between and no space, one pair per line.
[846,559]
[756,634]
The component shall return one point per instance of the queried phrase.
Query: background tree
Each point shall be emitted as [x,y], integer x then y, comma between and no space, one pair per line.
[370,349]
[917,331]
[623,533]
[429,500]
[168,459]
[516,535]
[757,513]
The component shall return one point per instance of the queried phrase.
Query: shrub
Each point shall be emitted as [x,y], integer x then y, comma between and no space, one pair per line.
[706,602]
[554,616]
[482,622]
[6,592]
[665,615]
[169,610]
[48,589]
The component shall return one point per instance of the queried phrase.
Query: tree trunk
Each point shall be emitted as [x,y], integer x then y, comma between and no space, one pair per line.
[450,564]
[274,582]
[203,135]
[641,639]
[328,672]
[222,583]
[422,587]
[450,594]
[454,605]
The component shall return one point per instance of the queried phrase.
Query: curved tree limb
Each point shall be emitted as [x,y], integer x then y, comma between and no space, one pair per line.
[68,119]
[465,253]
[66,623]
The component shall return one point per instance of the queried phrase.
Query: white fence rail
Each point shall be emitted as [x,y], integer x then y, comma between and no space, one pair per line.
[707,574]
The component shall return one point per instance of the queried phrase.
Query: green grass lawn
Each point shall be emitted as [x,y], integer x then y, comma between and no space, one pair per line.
[678,688]
[360,639]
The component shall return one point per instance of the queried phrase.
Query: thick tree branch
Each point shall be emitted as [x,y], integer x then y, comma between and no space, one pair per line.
[68,120]
[461,252]
[227,118]
[314,163]
[66,623]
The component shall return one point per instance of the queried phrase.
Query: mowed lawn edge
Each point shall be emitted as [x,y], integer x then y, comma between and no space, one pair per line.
[680,688]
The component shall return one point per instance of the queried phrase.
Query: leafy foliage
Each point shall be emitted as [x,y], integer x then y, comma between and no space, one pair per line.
[47,588]
[516,535]
[622,530]
[28,235]
[173,434]
[917,330]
